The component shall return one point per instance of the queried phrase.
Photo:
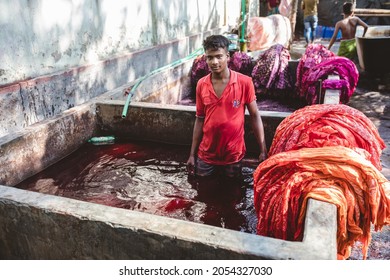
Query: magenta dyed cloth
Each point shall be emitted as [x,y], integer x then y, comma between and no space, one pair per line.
[241,62]
[342,66]
[318,63]
[271,73]
[199,69]
[314,54]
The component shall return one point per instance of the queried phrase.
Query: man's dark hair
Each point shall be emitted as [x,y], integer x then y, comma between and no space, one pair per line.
[347,8]
[215,42]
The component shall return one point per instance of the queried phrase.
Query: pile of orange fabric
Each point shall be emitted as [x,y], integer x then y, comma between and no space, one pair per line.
[337,175]
[329,125]
[329,152]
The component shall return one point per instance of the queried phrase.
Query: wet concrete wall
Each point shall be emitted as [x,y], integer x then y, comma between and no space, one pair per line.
[39,226]
[25,153]
[169,123]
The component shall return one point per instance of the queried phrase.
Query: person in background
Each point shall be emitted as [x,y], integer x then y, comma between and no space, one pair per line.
[273,7]
[221,99]
[263,8]
[310,19]
[348,26]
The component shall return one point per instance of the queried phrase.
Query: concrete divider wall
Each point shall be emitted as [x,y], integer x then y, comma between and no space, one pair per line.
[169,123]
[25,153]
[38,226]
[168,87]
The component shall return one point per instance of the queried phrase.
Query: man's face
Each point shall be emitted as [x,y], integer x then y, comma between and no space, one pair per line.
[217,59]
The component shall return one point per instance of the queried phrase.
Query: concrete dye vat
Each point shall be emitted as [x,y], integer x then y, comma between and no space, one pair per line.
[39,226]
[373,50]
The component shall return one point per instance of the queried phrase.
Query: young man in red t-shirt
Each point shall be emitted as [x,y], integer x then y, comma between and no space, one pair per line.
[221,99]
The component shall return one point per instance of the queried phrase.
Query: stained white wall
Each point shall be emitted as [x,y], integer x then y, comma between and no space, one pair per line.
[39,37]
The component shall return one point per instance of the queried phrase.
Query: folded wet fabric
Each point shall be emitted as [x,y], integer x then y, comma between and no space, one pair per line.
[314,55]
[341,66]
[335,84]
[271,73]
[322,125]
[199,69]
[239,62]
[285,181]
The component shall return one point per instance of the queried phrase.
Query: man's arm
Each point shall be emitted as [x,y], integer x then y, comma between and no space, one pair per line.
[258,129]
[362,23]
[196,138]
[334,36]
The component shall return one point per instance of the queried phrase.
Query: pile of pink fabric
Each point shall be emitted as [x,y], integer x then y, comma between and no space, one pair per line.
[239,61]
[271,73]
[199,69]
[314,55]
[317,64]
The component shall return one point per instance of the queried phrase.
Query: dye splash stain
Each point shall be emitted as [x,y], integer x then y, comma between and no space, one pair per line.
[152,178]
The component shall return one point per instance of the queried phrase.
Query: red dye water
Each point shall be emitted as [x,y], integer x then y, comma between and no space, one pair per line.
[152,178]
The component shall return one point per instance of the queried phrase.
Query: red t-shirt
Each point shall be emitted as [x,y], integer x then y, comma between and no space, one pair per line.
[223,130]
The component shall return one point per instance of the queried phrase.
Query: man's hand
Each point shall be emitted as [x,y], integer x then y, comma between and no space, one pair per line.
[262,156]
[191,165]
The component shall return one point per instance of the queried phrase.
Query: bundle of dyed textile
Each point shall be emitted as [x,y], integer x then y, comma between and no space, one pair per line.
[329,125]
[264,32]
[314,55]
[239,61]
[344,67]
[271,73]
[199,69]
[338,175]
[318,63]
